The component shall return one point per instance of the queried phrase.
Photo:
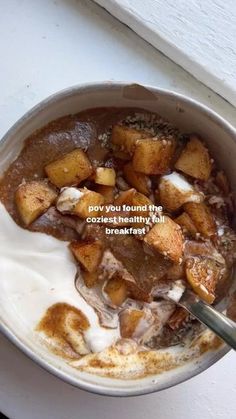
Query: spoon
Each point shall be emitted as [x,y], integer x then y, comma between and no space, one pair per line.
[206,314]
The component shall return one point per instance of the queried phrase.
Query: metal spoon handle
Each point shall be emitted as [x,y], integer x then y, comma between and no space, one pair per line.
[206,314]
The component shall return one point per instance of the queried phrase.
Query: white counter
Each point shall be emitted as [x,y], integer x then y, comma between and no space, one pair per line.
[47,45]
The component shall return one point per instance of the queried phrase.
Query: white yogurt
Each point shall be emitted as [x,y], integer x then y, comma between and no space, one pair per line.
[183,186]
[36,271]
[68,198]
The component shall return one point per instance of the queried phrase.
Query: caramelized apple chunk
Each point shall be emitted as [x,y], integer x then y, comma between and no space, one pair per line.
[108,193]
[116,289]
[153,156]
[126,138]
[90,278]
[115,217]
[137,180]
[174,191]
[132,289]
[202,218]
[111,267]
[203,275]
[81,202]
[89,254]
[166,238]
[178,318]
[137,293]
[129,321]
[86,205]
[105,176]
[125,197]
[186,223]
[140,200]
[222,182]
[132,198]
[70,169]
[33,199]
[135,199]
[195,160]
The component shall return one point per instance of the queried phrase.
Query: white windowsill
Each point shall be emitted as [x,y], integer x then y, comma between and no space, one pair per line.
[198,35]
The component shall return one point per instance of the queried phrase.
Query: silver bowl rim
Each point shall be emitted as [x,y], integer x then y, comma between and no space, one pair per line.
[64,376]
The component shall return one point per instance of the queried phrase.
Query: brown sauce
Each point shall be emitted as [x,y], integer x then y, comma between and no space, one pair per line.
[49,143]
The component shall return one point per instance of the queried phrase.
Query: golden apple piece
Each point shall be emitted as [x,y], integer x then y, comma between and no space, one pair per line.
[111,267]
[125,197]
[81,202]
[140,200]
[166,237]
[116,289]
[178,318]
[33,199]
[195,160]
[105,176]
[153,156]
[134,199]
[70,169]
[203,275]
[222,182]
[137,293]
[90,278]
[202,218]
[186,223]
[129,321]
[87,203]
[137,180]
[204,248]
[115,217]
[126,137]
[175,190]
[108,193]
[89,254]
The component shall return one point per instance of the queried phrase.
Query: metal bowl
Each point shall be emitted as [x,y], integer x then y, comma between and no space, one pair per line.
[185,113]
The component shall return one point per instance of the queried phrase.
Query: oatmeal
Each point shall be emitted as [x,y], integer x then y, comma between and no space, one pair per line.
[138,205]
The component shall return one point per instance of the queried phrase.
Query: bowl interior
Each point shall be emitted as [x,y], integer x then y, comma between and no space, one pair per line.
[185,114]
